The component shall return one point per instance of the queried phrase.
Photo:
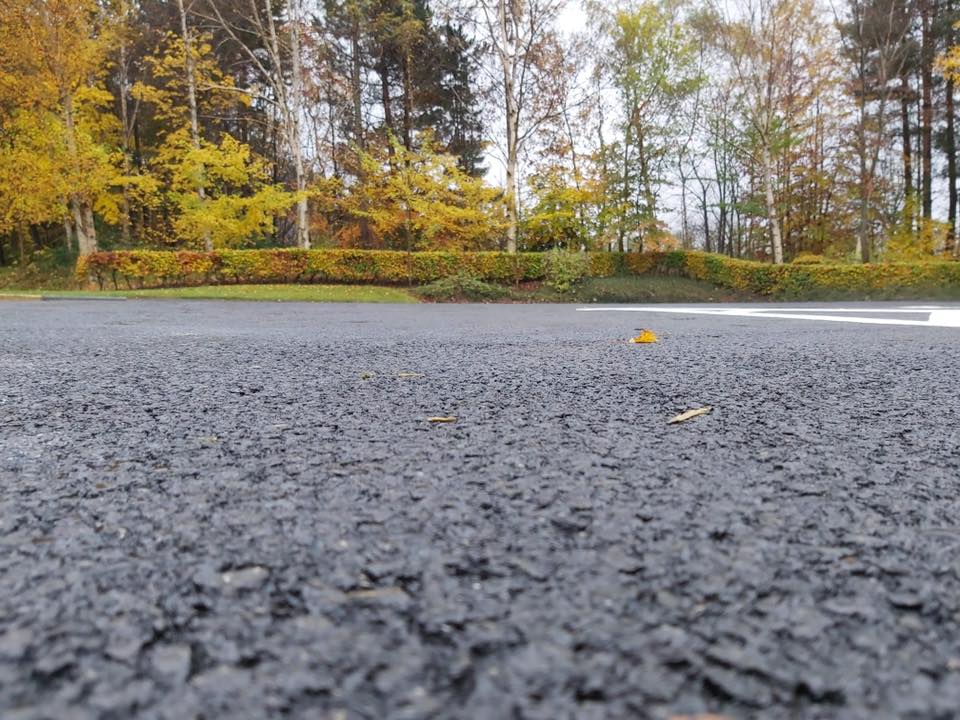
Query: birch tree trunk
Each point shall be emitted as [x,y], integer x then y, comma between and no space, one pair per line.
[772,215]
[294,111]
[508,52]
[288,98]
[516,31]
[951,150]
[68,235]
[125,120]
[191,77]
[511,196]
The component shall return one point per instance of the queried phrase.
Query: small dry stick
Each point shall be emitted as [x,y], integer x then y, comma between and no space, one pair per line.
[690,414]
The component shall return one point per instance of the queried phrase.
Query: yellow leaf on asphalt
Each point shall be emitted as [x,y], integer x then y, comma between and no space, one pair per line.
[409,375]
[645,336]
[689,414]
[441,419]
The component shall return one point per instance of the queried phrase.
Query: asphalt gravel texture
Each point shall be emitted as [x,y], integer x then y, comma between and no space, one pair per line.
[233,510]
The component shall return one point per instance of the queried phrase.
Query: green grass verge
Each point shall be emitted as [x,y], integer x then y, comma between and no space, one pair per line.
[275,293]
[636,289]
[915,293]
[620,289]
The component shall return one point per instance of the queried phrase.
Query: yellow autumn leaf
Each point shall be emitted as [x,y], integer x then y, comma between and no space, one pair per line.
[645,336]
[442,419]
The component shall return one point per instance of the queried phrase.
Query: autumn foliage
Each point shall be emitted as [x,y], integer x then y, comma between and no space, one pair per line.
[758,129]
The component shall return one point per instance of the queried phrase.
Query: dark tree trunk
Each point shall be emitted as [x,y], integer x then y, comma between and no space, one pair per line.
[22,244]
[951,149]
[384,72]
[356,64]
[926,71]
[907,141]
[407,103]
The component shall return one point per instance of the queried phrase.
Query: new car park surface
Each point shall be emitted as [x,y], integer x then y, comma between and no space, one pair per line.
[240,510]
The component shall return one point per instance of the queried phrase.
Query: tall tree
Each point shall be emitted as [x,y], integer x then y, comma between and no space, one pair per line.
[447,96]
[653,63]
[276,54]
[344,56]
[421,199]
[771,47]
[927,57]
[948,64]
[53,56]
[875,37]
[520,35]
[945,32]
[190,76]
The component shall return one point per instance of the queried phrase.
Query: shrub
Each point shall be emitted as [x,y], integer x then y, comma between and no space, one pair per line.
[605,264]
[47,268]
[462,286]
[564,269]
[808,259]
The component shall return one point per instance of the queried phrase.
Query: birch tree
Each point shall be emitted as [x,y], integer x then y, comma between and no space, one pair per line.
[276,55]
[518,33]
[190,76]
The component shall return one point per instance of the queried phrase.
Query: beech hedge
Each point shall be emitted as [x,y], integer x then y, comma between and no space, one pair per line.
[158,268]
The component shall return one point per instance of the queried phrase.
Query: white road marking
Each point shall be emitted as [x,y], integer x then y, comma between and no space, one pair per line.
[939,317]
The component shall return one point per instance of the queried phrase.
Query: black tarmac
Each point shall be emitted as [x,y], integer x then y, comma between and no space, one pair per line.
[233,510]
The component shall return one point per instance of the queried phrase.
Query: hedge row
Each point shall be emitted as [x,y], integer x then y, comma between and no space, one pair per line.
[150,268]
[157,268]
[814,280]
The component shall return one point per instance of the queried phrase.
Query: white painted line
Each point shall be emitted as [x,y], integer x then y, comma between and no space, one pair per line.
[947,317]
[808,311]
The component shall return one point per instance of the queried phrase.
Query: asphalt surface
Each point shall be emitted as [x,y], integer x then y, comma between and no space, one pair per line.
[231,510]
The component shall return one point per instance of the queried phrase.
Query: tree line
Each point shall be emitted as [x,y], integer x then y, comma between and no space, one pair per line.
[764,129]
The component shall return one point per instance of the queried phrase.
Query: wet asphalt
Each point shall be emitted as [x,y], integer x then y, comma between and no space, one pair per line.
[236,510]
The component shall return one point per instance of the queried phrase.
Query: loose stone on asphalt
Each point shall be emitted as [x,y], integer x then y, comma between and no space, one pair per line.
[237,510]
